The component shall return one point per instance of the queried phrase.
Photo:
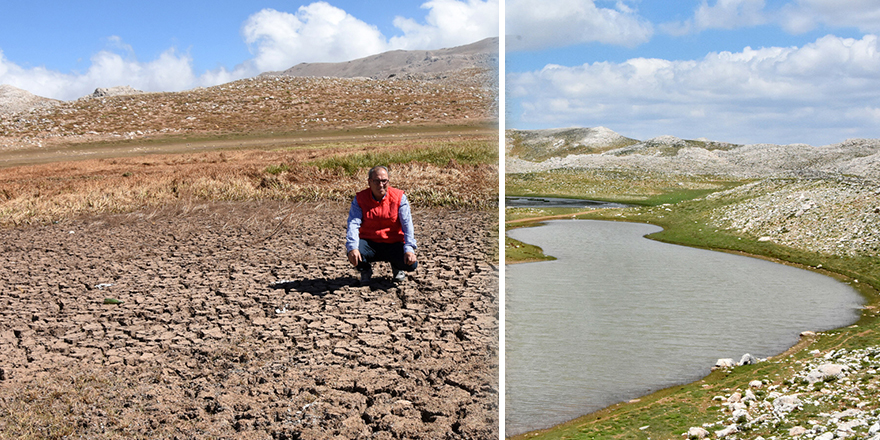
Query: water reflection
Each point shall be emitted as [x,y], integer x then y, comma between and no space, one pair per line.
[618,316]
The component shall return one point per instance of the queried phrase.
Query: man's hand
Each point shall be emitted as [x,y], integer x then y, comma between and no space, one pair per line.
[354,257]
[409,258]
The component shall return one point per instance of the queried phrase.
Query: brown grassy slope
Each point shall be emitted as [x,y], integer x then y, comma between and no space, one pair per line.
[256,105]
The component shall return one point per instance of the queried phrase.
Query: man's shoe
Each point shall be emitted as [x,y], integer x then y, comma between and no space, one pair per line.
[366,275]
[399,275]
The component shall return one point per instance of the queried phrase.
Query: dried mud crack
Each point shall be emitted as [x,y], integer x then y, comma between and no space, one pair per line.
[203,347]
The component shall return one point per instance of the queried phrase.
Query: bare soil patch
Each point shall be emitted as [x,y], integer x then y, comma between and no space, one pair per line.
[203,346]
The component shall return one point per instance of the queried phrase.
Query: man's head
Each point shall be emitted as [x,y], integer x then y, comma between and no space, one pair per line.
[378,180]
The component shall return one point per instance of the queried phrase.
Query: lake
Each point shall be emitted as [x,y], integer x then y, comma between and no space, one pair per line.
[618,316]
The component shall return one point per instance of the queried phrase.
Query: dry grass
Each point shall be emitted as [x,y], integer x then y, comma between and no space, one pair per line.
[96,403]
[51,192]
[61,406]
[256,105]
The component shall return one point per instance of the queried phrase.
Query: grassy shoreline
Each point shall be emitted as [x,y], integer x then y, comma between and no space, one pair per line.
[672,411]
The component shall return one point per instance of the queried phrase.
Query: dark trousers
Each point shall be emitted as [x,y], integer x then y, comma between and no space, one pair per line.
[372,251]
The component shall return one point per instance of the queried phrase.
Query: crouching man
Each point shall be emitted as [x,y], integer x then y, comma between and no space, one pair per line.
[380,228]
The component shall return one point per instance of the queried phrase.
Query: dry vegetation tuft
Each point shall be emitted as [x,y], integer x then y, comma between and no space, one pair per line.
[51,192]
[96,403]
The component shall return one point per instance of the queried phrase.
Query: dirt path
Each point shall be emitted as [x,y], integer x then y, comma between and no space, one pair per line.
[202,347]
[104,147]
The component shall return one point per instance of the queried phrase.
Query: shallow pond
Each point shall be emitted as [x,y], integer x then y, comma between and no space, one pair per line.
[617,316]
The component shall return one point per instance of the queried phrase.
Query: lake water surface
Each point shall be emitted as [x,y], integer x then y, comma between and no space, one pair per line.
[618,316]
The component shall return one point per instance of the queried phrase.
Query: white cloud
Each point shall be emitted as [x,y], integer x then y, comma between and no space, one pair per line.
[730,14]
[539,24]
[724,14]
[805,15]
[170,72]
[318,32]
[778,94]
[796,16]
[449,23]
[37,78]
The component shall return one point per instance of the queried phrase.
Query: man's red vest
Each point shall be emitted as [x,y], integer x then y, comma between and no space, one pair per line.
[380,222]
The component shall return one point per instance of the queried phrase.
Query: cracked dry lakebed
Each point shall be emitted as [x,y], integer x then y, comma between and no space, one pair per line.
[244,320]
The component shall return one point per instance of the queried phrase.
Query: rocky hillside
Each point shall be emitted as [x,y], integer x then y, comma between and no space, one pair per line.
[449,86]
[539,145]
[412,64]
[821,199]
[596,148]
[253,105]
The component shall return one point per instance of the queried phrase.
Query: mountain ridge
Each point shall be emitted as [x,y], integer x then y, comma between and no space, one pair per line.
[479,59]
[482,54]
[543,150]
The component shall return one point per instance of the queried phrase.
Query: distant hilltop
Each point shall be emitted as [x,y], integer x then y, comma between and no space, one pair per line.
[600,147]
[13,99]
[450,65]
[405,63]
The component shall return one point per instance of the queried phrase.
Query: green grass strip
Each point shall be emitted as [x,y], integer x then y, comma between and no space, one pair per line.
[468,152]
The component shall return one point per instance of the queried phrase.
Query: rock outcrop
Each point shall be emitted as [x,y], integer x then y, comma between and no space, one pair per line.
[114,91]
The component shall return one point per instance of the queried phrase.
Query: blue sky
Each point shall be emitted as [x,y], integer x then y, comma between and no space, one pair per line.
[744,71]
[64,50]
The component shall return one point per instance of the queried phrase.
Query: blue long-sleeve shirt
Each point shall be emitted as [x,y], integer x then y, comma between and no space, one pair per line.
[356,216]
